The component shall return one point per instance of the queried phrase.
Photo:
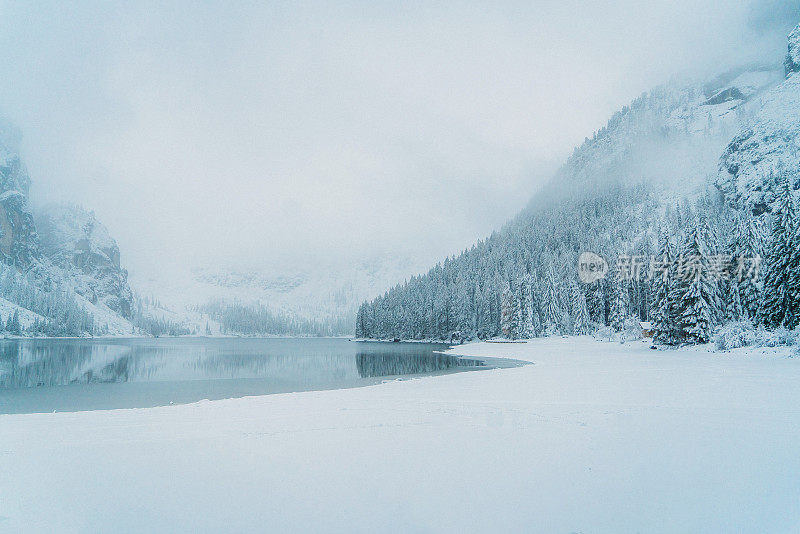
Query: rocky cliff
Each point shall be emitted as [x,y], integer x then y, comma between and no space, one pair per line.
[18,240]
[60,246]
[75,241]
[767,147]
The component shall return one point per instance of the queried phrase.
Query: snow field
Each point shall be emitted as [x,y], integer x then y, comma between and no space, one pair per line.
[593,437]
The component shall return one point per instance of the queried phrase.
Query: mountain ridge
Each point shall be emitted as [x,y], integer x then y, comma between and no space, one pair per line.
[654,166]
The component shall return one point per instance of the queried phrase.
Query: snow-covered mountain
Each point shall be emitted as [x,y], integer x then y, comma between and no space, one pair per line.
[64,249]
[60,272]
[737,132]
[327,294]
[18,239]
[80,245]
[671,137]
[684,155]
[767,147]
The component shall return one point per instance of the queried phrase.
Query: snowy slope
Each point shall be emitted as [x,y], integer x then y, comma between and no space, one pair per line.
[108,321]
[61,250]
[768,146]
[26,317]
[81,247]
[671,137]
[610,198]
[593,437]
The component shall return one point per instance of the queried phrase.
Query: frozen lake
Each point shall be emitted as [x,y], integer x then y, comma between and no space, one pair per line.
[48,375]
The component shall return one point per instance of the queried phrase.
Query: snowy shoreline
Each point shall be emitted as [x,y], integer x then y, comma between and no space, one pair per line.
[595,437]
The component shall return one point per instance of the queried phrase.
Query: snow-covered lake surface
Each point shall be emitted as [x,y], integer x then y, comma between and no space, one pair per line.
[88,374]
[594,437]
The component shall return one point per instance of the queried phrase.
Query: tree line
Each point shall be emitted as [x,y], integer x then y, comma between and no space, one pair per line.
[716,263]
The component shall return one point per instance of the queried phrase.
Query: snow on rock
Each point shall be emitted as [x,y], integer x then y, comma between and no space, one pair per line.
[670,137]
[74,240]
[765,150]
[18,240]
[108,321]
[593,437]
[792,63]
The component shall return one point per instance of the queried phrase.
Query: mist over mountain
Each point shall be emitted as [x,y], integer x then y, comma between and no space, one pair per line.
[678,171]
[313,171]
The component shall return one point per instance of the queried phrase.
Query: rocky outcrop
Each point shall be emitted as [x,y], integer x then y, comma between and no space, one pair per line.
[792,63]
[767,148]
[74,240]
[18,240]
[62,245]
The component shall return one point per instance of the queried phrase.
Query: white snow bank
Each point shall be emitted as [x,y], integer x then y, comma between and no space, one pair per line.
[594,437]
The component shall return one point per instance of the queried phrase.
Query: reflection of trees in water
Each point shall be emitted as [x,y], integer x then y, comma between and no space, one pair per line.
[311,365]
[31,363]
[48,363]
[371,364]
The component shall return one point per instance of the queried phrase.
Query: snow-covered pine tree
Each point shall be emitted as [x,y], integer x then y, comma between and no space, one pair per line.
[580,311]
[529,313]
[664,313]
[618,309]
[551,321]
[781,295]
[697,295]
[717,269]
[522,310]
[14,325]
[486,325]
[733,309]
[597,302]
[749,251]
[509,315]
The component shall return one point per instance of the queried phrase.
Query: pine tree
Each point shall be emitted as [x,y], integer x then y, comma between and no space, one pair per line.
[697,294]
[510,313]
[618,309]
[484,310]
[734,310]
[580,311]
[597,303]
[522,309]
[747,257]
[551,322]
[361,326]
[530,313]
[15,327]
[665,315]
[781,294]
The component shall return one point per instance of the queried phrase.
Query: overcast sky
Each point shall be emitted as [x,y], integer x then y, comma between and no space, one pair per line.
[246,133]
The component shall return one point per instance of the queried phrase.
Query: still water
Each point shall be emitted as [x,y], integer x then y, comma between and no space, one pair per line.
[89,374]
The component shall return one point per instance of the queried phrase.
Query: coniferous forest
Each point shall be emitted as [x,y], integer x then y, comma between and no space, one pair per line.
[704,264]
[717,246]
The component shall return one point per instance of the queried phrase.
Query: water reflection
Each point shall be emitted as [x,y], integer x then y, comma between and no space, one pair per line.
[42,375]
[374,364]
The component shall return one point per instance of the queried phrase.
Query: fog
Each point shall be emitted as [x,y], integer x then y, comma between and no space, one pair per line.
[308,133]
